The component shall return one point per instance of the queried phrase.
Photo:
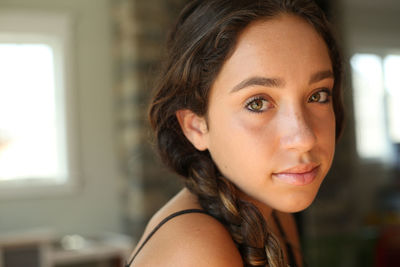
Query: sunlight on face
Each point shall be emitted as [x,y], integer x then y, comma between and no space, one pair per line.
[271,124]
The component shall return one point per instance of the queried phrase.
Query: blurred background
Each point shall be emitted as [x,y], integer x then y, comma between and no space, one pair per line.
[79,178]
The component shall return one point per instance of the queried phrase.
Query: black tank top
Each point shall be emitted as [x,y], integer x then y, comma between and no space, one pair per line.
[289,249]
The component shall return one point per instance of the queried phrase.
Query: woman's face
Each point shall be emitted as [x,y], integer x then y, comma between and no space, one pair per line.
[271,124]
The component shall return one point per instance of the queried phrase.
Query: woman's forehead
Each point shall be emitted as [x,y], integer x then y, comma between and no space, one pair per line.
[284,48]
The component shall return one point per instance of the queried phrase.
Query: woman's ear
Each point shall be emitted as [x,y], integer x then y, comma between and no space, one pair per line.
[194,127]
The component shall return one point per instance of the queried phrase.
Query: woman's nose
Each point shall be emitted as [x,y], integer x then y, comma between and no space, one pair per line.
[296,131]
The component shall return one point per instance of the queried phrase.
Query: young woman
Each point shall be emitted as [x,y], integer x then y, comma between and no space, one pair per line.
[247,110]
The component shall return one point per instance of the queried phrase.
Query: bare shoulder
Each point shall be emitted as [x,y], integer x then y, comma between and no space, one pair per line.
[190,239]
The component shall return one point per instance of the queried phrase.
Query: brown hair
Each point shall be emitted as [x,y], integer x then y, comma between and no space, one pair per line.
[202,39]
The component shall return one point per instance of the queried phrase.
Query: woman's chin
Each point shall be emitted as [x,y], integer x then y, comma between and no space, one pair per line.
[293,205]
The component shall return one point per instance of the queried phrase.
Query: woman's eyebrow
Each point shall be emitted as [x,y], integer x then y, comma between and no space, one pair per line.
[258,80]
[277,82]
[321,75]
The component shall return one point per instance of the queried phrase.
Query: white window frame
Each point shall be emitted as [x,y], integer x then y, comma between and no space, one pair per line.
[55,30]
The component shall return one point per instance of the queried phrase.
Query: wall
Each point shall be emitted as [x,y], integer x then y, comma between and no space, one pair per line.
[139,33]
[95,207]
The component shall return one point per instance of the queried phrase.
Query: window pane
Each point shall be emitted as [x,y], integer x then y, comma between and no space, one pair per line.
[392,83]
[369,102]
[29,138]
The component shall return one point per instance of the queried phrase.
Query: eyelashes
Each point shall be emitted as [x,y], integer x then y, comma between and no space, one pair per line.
[323,96]
[259,104]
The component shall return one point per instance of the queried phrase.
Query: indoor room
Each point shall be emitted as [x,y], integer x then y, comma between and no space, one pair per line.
[79,173]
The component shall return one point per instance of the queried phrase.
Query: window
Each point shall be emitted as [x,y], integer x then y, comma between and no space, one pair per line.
[37,125]
[392,84]
[376,87]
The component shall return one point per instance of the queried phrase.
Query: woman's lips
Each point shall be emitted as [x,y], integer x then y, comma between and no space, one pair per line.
[300,175]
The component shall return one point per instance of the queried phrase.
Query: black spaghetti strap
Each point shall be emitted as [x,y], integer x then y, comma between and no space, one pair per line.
[173,215]
[289,248]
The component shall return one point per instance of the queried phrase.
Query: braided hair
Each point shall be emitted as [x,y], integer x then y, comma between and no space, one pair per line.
[203,38]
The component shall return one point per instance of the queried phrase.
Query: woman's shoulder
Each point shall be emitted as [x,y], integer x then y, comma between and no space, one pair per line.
[189,239]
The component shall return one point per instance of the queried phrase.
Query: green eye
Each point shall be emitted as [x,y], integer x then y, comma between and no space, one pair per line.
[257,104]
[315,97]
[322,96]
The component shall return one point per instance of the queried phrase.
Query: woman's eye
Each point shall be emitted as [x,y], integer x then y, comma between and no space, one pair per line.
[257,104]
[322,96]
